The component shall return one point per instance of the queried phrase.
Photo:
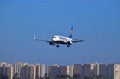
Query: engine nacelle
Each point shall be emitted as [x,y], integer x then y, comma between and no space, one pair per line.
[51,43]
[70,42]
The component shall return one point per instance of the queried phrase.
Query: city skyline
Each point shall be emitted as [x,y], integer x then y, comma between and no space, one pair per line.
[21,19]
[22,70]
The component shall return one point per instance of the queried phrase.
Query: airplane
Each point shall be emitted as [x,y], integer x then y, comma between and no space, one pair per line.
[58,39]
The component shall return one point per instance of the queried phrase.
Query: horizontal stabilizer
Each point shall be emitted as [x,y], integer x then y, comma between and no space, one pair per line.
[77,40]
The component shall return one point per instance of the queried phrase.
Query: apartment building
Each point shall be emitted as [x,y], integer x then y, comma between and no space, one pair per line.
[103,70]
[64,72]
[6,71]
[40,70]
[53,72]
[113,71]
[28,72]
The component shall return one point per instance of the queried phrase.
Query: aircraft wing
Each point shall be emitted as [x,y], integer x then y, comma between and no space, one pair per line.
[77,40]
[40,39]
[43,40]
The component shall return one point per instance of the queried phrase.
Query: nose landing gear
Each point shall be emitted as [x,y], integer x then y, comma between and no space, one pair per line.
[68,45]
[57,45]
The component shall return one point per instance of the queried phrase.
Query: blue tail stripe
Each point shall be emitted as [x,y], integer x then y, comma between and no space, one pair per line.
[70,36]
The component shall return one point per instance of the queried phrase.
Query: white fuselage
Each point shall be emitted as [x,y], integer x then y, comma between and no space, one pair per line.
[61,39]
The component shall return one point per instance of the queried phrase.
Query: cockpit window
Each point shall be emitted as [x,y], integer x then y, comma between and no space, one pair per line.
[54,37]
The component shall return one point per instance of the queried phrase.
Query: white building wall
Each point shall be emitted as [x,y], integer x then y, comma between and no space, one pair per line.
[42,70]
[9,72]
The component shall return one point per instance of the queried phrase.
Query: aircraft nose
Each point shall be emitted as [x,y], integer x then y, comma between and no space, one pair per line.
[53,39]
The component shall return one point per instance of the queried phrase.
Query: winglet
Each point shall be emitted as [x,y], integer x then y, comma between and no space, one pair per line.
[34,37]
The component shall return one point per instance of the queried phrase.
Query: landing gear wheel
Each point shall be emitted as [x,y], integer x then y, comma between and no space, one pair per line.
[57,46]
[68,45]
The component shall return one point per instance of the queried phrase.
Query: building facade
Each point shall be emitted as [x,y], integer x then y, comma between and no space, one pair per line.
[28,72]
[53,72]
[6,71]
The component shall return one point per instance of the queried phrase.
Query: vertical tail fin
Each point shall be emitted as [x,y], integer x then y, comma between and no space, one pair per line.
[71,31]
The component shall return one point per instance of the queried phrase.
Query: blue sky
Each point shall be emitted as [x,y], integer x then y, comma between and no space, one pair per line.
[20,19]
